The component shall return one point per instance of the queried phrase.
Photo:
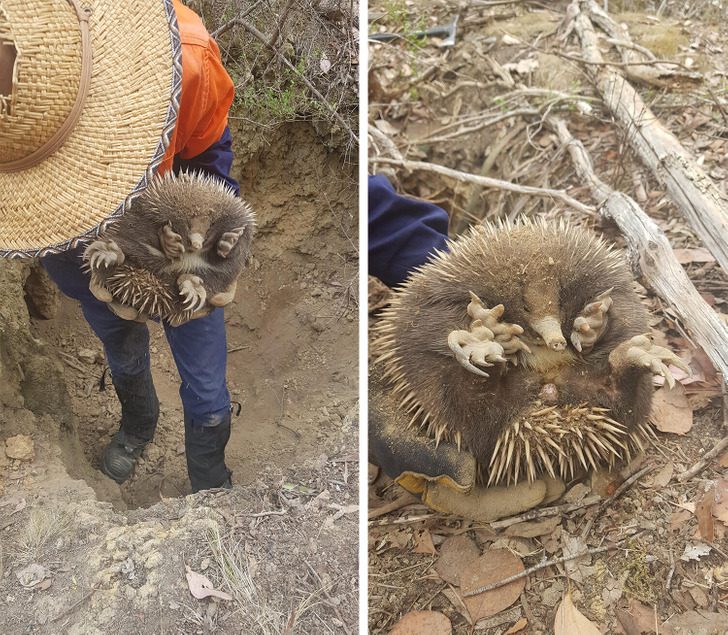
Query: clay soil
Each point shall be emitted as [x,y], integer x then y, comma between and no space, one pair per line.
[430,102]
[283,542]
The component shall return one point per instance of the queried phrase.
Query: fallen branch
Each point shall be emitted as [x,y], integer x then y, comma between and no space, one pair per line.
[652,252]
[485,181]
[546,512]
[702,204]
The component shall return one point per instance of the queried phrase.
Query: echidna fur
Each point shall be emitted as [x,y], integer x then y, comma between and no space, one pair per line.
[502,263]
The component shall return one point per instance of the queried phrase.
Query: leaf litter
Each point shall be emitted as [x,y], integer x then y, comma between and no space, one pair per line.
[656,521]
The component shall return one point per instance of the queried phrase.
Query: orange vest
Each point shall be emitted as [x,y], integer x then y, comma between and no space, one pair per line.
[207,91]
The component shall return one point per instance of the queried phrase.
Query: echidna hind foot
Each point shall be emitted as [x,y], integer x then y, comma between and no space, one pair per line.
[559,441]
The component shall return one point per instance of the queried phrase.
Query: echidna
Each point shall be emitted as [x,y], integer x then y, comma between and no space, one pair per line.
[176,252]
[525,343]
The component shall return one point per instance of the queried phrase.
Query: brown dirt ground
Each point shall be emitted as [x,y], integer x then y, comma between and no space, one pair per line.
[420,93]
[115,555]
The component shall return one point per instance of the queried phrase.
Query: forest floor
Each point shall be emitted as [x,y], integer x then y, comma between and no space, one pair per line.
[478,106]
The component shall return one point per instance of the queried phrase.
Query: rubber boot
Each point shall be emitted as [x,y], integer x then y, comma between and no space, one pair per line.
[205,441]
[139,415]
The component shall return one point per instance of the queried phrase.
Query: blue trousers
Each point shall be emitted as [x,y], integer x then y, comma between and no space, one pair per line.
[199,347]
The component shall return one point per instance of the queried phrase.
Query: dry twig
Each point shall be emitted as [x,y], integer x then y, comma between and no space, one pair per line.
[619,491]
[538,567]
[485,181]
[546,512]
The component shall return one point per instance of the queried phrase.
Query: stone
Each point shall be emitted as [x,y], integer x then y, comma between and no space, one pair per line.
[20,447]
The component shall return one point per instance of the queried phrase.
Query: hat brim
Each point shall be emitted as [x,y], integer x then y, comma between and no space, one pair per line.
[121,137]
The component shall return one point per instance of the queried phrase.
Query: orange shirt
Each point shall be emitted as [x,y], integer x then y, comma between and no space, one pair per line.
[207,91]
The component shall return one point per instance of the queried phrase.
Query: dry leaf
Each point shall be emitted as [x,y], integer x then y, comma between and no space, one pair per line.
[695,551]
[671,411]
[663,477]
[679,518]
[494,565]
[704,514]
[579,568]
[639,618]
[32,575]
[423,542]
[720,507]
[533,528]
[456,554]
[570,622]
[201,587]
[517,627]
[419,622]
[699,254]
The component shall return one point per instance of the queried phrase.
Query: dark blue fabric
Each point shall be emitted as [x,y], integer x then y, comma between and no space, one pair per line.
[216,161]
[199,346]
[403,231]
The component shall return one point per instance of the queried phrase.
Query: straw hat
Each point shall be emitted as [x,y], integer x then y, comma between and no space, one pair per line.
[89,91]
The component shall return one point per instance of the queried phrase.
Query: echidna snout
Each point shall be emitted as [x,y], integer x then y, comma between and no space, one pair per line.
[196,241]
[550,330]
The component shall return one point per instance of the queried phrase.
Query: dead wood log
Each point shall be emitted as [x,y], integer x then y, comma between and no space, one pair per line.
[651,251]
[702,204]
[653,72]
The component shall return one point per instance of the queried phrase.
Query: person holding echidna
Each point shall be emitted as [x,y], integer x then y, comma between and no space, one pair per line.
[97,100]
[510,359]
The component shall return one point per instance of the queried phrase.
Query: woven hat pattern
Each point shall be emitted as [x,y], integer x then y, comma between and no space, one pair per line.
[47,42]
[120,138]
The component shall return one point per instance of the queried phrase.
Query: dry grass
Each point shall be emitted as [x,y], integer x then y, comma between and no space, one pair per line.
[255,613]
[40,534]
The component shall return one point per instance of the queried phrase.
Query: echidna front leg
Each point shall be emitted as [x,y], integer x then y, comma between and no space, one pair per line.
[488,340]
[171,242]
[228,240]
[191,289]
[505,334]
[640,352]
[591,322]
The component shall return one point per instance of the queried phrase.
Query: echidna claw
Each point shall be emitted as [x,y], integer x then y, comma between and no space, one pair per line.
[591,322]
[640,351]
[475,347]
[503,333]
[228,240]
[191,289]
[104,253]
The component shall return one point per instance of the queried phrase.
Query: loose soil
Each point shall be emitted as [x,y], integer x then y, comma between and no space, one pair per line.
[431,102]
[115,556]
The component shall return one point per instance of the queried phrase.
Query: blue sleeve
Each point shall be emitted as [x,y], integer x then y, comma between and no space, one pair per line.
[403,232]
[215,161]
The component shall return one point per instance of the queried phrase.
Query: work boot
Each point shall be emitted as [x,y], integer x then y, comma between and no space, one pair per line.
[139,415]
[121,456]
[205,441]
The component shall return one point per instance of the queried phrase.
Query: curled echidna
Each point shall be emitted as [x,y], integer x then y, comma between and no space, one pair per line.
[525,343]
[177,252]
